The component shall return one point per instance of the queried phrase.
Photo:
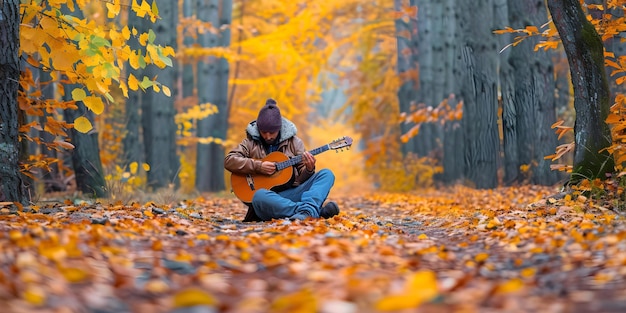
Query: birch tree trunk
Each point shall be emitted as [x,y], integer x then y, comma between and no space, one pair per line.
[585,54]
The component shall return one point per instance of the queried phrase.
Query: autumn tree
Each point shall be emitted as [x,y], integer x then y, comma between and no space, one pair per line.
[87,58]
[12,187]
[585,53]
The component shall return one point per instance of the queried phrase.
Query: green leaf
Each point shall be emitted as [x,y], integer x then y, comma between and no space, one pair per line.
[163,58]
[99,41]
[146,83]
[151,36]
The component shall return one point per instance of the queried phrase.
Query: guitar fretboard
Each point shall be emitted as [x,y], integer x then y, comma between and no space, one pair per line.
[297,159]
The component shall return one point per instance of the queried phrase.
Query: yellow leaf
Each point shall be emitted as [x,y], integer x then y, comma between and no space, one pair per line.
[126,32]
[95,104]
[166,91]
[528,272]
[74,274]
[512,285]
[78,94]
[113,9]
[301,301]
[145,166]
[34,295]
[143,39]
[398,302]
[155,9]
[82,124]
[192,297]
[63,60]
[421,287]
[481,257]
[133,167]
[133,83]
[422,236]
[124,89]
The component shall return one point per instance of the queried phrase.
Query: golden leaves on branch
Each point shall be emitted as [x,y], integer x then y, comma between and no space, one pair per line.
[82,51]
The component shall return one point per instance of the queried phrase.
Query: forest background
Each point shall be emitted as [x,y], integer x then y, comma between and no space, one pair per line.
[117,97]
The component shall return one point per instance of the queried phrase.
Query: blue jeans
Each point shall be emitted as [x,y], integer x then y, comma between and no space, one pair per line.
[306,199]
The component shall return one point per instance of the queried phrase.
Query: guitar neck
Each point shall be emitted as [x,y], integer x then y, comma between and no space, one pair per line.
[297,159]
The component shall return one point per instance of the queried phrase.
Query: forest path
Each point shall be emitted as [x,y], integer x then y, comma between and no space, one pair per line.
[456,250]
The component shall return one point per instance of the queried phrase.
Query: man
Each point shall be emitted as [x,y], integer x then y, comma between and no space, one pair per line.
[305,196]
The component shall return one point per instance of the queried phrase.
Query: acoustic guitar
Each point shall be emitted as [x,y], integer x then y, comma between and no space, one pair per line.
[245,185]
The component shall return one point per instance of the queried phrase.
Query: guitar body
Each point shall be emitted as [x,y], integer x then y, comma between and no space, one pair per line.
[244,186]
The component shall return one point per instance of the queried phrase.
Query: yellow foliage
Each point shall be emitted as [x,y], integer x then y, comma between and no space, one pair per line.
[90,52]
[347,165]
[406,174]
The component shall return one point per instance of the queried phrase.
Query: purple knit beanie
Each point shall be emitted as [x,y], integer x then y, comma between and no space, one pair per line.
[269,119]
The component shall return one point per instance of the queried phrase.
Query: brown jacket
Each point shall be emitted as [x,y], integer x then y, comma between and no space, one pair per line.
[246,157]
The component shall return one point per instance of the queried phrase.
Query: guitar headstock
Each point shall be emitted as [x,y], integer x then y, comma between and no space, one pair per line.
[343,142]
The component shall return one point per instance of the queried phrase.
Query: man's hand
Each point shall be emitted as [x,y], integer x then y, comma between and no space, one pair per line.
[268,168]
[309,161]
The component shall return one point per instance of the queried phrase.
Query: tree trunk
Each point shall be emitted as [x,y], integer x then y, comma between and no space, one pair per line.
[453,141]
[213,88]
[533,110]
[157,116]
[132,142]
[10,176]
[52,180]
[86,161]
[86,154]
[585,54]
[478,60]
[407,68]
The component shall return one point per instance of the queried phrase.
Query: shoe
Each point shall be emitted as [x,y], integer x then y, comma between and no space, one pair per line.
[329,210]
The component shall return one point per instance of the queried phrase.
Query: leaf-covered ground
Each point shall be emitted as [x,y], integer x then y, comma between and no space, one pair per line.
[462,250]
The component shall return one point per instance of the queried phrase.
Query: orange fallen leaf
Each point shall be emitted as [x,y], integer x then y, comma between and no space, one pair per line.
[420,287]
[193,296]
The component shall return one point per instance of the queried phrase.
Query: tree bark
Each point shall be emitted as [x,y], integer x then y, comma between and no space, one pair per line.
[453,140]
[213,88]
[10,176]
[86,154]
[478,61]
[406,68]
[585,54]
[531,111]
[157,109]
